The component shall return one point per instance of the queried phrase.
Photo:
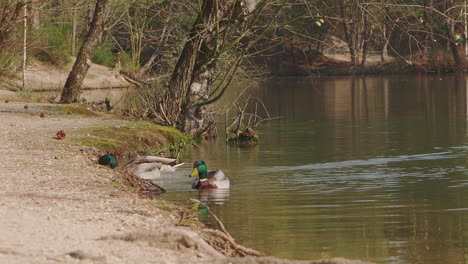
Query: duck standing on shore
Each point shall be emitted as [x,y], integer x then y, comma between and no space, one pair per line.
[214,179]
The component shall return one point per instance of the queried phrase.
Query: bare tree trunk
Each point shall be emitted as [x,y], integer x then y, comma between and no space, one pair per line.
[35,15]
[465,23]
[448,26]
[179,86]
[386,40]
[453,44]
[25,43]
[194,110]
[386,34]
[74,22]
[348,29]
[429,33]
[72,90]
[366,34]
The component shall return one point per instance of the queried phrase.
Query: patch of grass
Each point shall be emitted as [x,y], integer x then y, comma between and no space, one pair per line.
[106,145]
[9,62]
[192,223]
[165,207]
[78,109]
[103,54]
[116,185]
[27,96]
[137,137]
[52,45]
[30,96]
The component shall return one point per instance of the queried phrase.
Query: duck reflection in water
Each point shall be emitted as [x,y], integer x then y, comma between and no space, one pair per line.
[213,196]
[210,198]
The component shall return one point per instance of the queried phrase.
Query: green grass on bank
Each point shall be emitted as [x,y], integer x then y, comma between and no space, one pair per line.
[79,109]
[135,137]
[125,137]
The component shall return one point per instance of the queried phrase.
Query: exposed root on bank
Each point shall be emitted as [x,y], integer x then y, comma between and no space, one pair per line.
[145,188]
[80,255]
[173,238]
[226,244]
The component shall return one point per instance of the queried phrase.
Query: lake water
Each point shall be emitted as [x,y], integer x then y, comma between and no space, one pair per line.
[371,168]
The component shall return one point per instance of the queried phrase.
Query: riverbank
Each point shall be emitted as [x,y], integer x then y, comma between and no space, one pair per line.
[45,77]
[59,206]
[293,62]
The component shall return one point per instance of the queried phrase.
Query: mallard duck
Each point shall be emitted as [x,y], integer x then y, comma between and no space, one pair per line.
[150,167]
[214,179]
[108,160]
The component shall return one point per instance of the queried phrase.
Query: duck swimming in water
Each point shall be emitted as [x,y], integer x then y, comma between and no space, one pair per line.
[214,179]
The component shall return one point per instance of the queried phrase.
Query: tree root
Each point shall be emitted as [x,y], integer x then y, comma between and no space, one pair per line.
[222,241]
[173,238]
[225,244]
[143,187]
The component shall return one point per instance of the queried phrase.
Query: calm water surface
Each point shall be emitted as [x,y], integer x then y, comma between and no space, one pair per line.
[371,168]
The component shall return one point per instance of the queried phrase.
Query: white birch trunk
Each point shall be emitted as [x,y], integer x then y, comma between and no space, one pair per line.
[25,42]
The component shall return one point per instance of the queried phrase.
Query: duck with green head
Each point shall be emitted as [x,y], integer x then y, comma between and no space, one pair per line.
[108,160]
[214,179]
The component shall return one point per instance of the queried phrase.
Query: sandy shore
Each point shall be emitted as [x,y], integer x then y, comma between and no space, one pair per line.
[58,206]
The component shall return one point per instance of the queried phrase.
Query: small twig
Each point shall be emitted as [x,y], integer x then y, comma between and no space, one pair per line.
[266,119]
[264,107]
[182,215]
[226,124]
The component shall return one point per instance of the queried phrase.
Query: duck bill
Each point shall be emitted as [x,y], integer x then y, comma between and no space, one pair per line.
[194,172]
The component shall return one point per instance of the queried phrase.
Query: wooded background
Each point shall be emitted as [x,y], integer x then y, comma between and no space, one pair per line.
[191,50]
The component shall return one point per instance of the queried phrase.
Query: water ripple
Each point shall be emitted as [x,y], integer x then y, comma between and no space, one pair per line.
[354,163]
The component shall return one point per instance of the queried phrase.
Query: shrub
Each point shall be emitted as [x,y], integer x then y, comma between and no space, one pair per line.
[53,46]
[128,63]
[9,63]
[103,54]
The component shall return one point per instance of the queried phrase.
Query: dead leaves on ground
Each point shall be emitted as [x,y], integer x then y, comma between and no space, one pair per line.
[61,134]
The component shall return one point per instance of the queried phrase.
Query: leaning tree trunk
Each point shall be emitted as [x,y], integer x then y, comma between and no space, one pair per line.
[195,107]
[72,89]
[194,73]
[176,97]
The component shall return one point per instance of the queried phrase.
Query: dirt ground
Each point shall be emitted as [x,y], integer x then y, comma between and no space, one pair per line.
[58,206]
